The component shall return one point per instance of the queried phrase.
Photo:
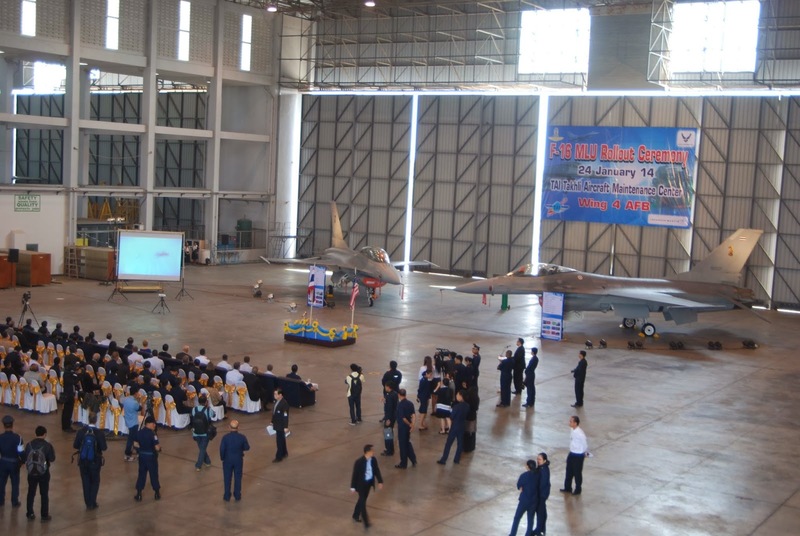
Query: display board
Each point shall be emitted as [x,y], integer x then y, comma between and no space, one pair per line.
[149,256]
[635,176]
[552,315]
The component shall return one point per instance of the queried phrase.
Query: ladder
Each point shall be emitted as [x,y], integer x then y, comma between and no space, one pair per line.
[71,262]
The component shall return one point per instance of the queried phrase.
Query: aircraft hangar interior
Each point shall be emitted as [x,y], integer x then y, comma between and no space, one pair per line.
[632,165]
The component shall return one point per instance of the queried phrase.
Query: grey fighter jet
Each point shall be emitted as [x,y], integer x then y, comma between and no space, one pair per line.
[711,285]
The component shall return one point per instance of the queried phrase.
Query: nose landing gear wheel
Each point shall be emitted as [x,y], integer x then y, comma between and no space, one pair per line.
[629,323]
[649,329]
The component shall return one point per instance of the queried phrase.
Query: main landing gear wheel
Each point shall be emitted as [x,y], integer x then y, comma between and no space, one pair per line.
[648,329]
[629,323]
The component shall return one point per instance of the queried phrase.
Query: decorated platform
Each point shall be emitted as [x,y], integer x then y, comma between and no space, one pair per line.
[310,332]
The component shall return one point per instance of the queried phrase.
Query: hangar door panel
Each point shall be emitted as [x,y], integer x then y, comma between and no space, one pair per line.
[474,182]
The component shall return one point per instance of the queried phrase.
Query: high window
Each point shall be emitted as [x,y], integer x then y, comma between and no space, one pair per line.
[184,27]
[247,39]
[28,25]
[112,24]
[714,36]
[554,41]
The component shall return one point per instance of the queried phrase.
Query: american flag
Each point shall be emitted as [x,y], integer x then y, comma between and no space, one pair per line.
[311,286]
[353,295]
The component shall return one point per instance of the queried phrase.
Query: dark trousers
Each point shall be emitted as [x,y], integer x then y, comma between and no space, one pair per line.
[518,384]
[530,388]
[66,412]
[458,437]
[131,438]
[574,470]
[522,508]
[355,408]
[43,483]
[202,454]
[541,517]
[148,463]
[280,441]
[232,469]
[405,446]
[579,392]
[388,444]
[9,469]
[90,479]
[505,391]
[360,512]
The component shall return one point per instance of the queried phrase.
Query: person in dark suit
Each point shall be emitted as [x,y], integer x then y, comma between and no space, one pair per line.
[90,469]
[293,374]
[40,480]
[148,458]
[389,417]
[280,422]
[231,452]
[579,373]
[530,378]
[71,385]
[392,375]
[365,473]
[506,368]
[405,425]
[528,497]
[458,425]
[519,366]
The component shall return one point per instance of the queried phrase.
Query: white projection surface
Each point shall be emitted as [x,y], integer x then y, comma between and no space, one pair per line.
[149,256]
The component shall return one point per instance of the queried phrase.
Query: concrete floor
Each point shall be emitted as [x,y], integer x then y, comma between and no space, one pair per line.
[684,442]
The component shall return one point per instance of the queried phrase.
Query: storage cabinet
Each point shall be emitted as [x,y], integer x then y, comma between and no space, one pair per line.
[33,269]
[6,272]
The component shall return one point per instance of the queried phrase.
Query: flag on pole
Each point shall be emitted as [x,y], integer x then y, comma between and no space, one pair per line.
[353,295]
[484,299]
[311,286]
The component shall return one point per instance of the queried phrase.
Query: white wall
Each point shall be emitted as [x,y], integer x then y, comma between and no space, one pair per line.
[46,228]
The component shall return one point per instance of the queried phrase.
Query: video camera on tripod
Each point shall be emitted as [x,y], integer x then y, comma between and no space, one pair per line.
[26,297]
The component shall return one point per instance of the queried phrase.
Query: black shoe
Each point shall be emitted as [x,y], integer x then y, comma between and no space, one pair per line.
[367,525]
[356,519]
[440,462]
[16,504]
[576,492]
[401,466]
[45,519]
[226,500]
[384,453]
[276,460]
[576,405]
[565,490]
[501,406]
[30,516]
[138,496]
[413,464]
[158,494]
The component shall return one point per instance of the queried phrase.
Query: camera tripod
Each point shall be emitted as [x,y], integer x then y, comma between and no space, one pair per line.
[26,308]
[161,305]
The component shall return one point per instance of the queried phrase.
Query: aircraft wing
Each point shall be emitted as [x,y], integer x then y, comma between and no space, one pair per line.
[643,294]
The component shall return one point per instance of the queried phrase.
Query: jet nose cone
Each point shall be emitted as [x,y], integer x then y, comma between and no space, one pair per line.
[392,276]
[476,287]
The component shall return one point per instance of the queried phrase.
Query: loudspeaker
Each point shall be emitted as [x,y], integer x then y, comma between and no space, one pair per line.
[13,255]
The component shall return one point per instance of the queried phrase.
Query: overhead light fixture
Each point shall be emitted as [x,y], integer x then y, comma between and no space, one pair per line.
[272,8]
[369,3]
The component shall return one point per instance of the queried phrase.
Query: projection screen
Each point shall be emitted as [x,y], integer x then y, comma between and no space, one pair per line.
[149,256]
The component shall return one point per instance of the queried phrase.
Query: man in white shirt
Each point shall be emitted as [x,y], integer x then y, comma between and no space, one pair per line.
[202,357]
[246,367]
[234,375]
[269,371]
[156,365]
[224,363]
[106,341]
[135,357]
[578,451]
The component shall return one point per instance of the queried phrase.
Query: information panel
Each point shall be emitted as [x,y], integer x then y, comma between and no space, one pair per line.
[552,315]
[626,175]
[316,286]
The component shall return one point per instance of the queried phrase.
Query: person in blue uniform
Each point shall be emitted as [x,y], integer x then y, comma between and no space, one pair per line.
[543,472]
[458,425]
[231,452]
[405,425]
[528,496]
[148,458]
[365,473]
[506,368]
[530,378]
[90,465]
[280,423]
[389,417]
[11,448]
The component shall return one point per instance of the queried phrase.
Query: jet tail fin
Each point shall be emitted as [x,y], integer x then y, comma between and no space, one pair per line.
[725,262]
[337,237]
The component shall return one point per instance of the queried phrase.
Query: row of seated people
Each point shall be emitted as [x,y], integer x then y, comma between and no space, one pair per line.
[260,386]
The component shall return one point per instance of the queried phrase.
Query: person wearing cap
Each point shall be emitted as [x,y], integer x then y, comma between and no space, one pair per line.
[528,487]
[40,480]
[11,448]
[231,452]
[148,447]
[530,378]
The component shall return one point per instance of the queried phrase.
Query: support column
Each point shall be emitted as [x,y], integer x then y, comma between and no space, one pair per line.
[72,135]
[147,157]
[214,124]
[6,135]
[287,174]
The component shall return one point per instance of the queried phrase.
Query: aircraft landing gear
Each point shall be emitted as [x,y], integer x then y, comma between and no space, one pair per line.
[648,329]
[629,323]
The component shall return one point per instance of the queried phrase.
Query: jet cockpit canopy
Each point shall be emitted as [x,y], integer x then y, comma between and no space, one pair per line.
[540,269]
[376,254]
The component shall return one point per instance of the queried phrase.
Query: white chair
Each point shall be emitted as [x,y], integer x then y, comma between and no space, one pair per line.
[241,400]
[24,398]
[191,376]
[80,414]
[182,376]
[175,419]
[43,402]
[204,379]
[191,394]
[13,384]
[54,384]
[158,408]
[5,390]
[41,349]
[101,374]
[117,420]
[51,353]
